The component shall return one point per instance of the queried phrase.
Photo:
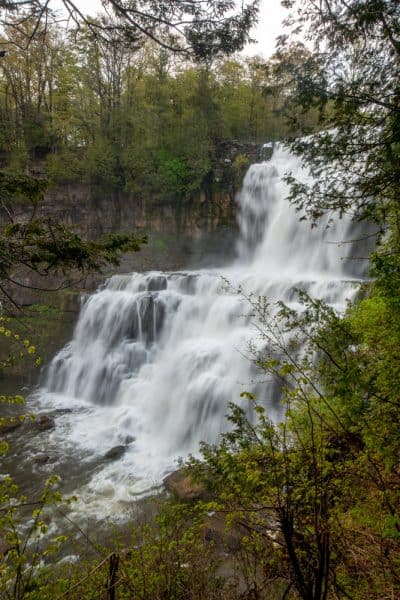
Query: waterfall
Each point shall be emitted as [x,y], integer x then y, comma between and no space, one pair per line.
[156,357]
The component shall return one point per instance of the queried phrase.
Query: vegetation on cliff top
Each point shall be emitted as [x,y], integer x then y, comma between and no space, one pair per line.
[84,108]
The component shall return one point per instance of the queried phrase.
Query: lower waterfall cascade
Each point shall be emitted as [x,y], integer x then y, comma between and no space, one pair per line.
[156,357]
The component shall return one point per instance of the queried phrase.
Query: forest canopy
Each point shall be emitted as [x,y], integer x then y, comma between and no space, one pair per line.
[139,118]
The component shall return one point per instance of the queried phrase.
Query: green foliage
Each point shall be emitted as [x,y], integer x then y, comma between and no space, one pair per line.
[124,116]
[64,166]
[173,175]
[173,172]
[24,523]
[240,167]
[199,31]
[16,187]
[168,558]
[352,81]
[102,163]
[44,246]
[21,566]
[17,347]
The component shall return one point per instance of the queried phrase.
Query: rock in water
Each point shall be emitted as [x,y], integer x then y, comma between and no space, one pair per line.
[115,453]
[45,422]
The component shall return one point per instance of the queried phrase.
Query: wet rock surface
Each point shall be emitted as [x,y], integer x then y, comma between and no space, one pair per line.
[23,424]
[225,537]
[42,459]
[115,453]
[45,422]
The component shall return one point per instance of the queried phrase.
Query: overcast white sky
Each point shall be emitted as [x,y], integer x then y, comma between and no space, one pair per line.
[268,28]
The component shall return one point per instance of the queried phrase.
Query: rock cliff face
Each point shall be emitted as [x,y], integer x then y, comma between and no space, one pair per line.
[94,211]
[188,232]
[199,231]
[181,233]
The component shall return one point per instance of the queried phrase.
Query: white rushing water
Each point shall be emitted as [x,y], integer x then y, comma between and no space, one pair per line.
[156,357]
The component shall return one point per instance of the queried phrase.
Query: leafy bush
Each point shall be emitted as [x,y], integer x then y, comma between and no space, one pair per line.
[64,166]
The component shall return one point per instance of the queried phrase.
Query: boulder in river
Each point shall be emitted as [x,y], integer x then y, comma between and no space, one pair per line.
[44,423]
[181,485]
[115,453]
[42,459]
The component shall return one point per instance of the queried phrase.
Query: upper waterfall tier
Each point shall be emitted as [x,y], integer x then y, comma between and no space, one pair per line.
[274,239]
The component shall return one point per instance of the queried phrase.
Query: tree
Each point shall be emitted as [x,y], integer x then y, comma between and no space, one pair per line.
[281,75]
[198,28]
[29,86]
[353,80]
[318,493]
[42,246]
